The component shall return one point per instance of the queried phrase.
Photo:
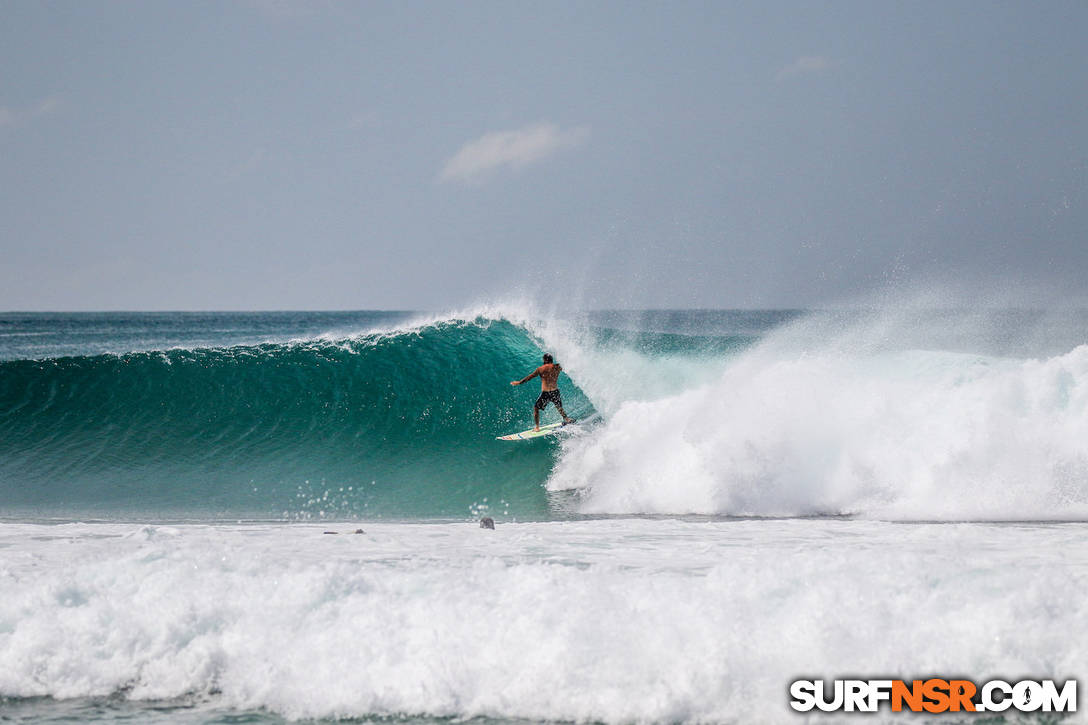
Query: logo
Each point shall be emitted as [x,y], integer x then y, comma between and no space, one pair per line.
[933,695]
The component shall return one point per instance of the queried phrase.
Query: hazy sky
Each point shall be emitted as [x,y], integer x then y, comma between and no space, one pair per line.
[274,155]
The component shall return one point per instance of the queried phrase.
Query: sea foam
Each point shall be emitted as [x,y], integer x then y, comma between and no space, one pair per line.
[810,425]
[608,620]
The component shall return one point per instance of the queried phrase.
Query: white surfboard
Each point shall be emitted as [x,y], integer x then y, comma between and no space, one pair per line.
[528,434]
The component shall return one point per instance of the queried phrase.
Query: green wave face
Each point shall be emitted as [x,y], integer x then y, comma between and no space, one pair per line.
[398,425]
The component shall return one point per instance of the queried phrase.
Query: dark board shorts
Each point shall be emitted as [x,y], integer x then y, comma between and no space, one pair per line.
[548,396]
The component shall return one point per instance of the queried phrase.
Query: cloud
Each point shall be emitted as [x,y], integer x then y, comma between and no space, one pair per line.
[805,65]
[10,117]
[512,149]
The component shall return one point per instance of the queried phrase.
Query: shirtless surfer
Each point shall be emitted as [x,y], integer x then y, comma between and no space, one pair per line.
[549,390]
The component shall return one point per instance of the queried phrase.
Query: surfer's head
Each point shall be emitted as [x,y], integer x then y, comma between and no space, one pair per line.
[547,358]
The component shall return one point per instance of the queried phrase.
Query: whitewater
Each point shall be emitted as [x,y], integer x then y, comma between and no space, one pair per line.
[269,516]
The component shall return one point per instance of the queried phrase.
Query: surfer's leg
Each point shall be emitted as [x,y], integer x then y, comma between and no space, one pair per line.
[540,404]
[557,398]
[566,418]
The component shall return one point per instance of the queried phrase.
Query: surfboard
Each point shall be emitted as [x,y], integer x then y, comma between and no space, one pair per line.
[527,434]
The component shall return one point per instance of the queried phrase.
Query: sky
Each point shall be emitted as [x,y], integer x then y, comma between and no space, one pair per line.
[267,154]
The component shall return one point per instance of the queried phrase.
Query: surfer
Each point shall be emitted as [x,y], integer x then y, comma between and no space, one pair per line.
[549,390]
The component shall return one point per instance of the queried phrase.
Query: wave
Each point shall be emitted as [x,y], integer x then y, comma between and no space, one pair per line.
[913,416]
[394,423]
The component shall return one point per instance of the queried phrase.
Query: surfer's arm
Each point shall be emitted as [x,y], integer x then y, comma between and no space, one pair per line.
[527,378]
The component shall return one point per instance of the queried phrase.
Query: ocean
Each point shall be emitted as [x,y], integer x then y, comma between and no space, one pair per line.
[269,517]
